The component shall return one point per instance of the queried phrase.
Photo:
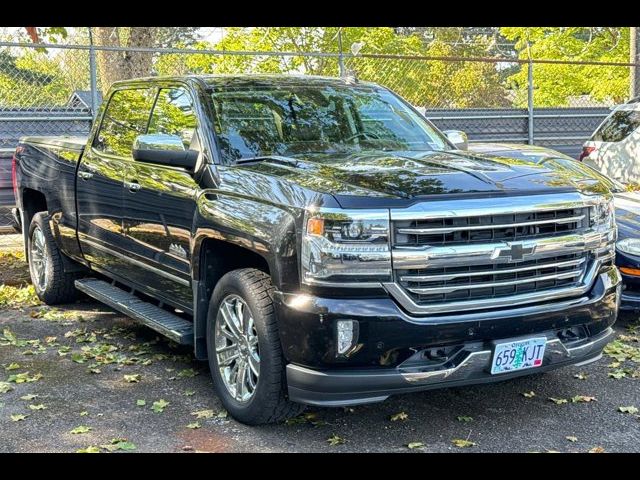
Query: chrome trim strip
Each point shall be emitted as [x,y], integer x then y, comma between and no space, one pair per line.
[473,286]
[555,352]
[405,258]
[429,231]
[451,276]
[474,207]
[401,296]
[138,263]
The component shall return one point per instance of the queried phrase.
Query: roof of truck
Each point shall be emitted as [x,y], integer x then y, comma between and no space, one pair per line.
[214,80]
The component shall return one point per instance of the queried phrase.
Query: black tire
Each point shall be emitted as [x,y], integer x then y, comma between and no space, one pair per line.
[59,285]
[269,403]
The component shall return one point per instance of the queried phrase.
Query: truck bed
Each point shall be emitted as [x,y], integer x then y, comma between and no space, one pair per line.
[67,142]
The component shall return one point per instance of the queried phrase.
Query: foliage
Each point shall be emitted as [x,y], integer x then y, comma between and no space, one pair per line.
[436,82]
[556,84]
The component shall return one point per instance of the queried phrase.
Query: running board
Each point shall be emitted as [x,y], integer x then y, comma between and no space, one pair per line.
[170,325]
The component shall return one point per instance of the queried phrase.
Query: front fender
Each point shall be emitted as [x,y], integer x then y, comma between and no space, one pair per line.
[266,229]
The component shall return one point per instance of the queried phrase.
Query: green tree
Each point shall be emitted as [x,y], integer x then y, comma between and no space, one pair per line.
[556,84]
[425,83]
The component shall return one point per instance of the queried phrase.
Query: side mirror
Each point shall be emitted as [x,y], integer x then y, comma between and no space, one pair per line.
[163,149]
[458,138]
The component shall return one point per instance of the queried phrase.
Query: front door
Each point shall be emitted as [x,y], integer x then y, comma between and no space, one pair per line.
[159,205]
[100,192]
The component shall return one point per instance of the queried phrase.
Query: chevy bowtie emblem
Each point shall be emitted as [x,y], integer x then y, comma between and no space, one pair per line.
[513,251]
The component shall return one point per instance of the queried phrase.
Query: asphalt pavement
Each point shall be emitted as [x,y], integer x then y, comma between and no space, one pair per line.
[104,383]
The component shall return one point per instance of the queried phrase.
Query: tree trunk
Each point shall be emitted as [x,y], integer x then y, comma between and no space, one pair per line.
[122,65]
[634,84]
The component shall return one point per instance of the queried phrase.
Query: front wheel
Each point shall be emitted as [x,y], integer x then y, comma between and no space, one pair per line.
[244,350]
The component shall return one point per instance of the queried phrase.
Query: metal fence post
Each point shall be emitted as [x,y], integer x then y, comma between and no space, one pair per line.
[93,75]
[341,70]
[530,98]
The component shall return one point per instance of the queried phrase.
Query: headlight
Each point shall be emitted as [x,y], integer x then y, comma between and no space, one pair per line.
[346,248]
[603,214]
[629,245]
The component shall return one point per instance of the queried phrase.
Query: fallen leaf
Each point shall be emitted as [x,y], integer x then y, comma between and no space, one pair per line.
[62,351]
[399,416]
[159,406]
[94,370]
[187,373]
[572,439]
[582,399]
[12,366]
[203,414]
[580,376]
[558,401]
[24,378]
[458,442]
[632,410]
[617,374]
[530,394]
[414,445]
[119,444]
[40,406]
[28,397]
[335,440]
[141,403]
[18,417]
[188,393]
[194,425]
[89,449]
[135,378]
[5,387]
[77,357]
[597,450]
[81,429]
[84,413]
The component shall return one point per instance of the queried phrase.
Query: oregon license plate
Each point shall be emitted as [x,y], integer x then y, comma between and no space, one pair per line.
[518,355]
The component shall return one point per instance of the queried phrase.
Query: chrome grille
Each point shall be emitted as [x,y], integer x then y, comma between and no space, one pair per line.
[471,254]
[449,284]
[489,228]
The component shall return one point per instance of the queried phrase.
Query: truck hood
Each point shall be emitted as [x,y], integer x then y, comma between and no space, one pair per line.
[408,175]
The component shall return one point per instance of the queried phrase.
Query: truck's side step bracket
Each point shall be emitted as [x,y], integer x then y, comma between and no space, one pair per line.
[169,325]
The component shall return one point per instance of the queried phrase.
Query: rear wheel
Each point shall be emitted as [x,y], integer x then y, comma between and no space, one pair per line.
[52,284]
[244,349]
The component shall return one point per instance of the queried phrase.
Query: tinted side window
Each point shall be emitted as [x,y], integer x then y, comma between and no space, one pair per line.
[174,114]
[126,117]
[618,126]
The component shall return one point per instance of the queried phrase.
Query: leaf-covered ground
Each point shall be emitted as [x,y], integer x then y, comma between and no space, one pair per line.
[82,378]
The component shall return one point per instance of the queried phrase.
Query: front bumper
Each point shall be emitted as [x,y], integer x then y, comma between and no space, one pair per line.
[377,368]
[471,366]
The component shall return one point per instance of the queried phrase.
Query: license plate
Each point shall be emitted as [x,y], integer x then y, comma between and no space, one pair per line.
[518,355]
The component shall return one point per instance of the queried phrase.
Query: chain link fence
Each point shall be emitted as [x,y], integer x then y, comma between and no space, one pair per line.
[54,89]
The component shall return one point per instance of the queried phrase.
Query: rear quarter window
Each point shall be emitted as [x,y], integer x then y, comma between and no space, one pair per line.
[618,126]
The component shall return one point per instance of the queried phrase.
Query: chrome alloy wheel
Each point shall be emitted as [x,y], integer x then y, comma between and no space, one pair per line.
[38,259]
[237,351]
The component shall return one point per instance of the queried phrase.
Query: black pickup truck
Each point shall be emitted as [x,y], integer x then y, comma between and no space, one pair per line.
[318,241]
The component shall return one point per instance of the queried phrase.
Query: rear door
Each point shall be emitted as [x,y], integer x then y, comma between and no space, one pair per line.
[100,182]
[159,204]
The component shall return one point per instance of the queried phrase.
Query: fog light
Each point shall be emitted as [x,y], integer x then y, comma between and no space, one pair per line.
[347,335]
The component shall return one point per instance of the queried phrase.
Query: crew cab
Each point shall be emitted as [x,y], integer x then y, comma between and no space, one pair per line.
[318,241]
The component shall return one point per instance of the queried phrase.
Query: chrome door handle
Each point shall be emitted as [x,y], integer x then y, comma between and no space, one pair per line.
[133,186]
[85,175]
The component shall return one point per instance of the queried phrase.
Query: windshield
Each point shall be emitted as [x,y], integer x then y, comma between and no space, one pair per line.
[255,121]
